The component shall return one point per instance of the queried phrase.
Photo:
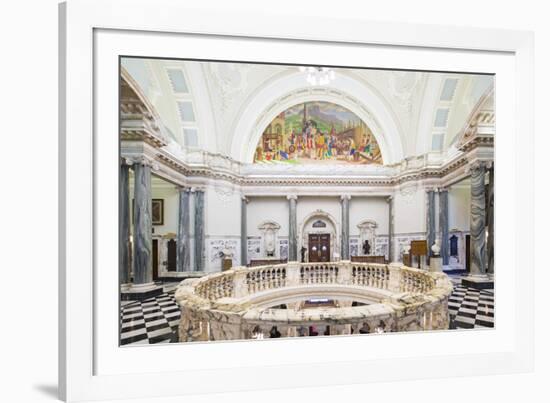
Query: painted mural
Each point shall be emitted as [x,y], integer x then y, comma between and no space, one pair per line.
[318,132]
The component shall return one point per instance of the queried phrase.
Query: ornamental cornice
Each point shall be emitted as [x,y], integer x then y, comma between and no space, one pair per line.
[225,169]
[478,141]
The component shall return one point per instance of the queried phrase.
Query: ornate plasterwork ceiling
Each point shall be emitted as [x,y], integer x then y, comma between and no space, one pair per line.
[428,109]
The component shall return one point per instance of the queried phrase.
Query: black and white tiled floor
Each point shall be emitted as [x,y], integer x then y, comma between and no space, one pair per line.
[152,321]
[156,320]
[470,308]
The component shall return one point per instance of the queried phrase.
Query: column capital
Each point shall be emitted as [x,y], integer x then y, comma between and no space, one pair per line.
[245,199]
[292,197]
[143,160]
[197,189]
[389,199]
[125,161]
[479,164]
[183,188]
[345,197]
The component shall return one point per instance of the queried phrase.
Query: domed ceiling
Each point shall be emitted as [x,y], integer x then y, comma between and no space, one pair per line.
[379,116]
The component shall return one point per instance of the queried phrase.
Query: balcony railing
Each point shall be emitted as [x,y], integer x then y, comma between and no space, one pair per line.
[238,303]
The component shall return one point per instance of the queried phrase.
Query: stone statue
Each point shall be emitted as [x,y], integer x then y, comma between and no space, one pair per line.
[366,247]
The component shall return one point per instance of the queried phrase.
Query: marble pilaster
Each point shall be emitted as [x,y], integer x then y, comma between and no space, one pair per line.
[292,229]
[183,242]
[244,238]
[444,225]
[143,269]
[344,249]
[430,220]
[124,225]
[199,230]
[477,219]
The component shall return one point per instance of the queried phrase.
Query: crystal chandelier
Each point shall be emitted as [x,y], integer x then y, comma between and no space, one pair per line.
[318,75]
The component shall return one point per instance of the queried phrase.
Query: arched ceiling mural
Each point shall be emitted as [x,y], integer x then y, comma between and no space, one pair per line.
[223,107]
[317,132]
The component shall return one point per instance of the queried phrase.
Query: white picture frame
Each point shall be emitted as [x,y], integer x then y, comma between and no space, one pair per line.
[91,366]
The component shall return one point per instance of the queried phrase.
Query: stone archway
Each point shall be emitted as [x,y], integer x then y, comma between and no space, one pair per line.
[331,226]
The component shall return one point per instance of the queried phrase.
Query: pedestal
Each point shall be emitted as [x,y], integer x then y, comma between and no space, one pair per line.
[140,292]
[436,263]
[227,263]
[479,282]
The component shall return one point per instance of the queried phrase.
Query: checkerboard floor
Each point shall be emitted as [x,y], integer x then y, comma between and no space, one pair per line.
[152,321]
[156,320]
[470,308]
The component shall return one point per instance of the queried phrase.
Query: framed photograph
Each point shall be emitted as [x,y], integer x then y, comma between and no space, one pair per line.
[289,178]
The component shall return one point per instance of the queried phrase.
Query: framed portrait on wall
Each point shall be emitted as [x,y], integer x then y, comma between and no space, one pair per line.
[286,184]
[157,209]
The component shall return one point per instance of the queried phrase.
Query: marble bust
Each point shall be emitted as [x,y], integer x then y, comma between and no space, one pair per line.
[436,247]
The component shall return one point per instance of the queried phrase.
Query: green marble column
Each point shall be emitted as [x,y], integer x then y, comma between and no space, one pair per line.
[124,224]
[345,199]
[183,243]
[477,219]
[143,269]
[491,222]
[244,238]
[390,229]
[292,229]
[430,221]
[199,230]
[444,224]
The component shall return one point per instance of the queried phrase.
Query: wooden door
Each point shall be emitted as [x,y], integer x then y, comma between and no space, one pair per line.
[171,245]
[155,259]
[319,247]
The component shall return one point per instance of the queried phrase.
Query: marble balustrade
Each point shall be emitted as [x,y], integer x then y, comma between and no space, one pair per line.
[236,304]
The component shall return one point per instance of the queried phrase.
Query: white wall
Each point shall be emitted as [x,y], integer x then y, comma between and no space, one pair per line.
[260,209]
[222,224]
[308,205]
[171,207]
[368,208]
[459,208]
[409,211]
[222,211]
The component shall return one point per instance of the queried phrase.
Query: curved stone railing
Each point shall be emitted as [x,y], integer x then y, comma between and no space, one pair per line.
[238,303]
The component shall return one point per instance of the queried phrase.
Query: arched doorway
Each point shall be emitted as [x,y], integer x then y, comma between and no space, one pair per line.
[319,237]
